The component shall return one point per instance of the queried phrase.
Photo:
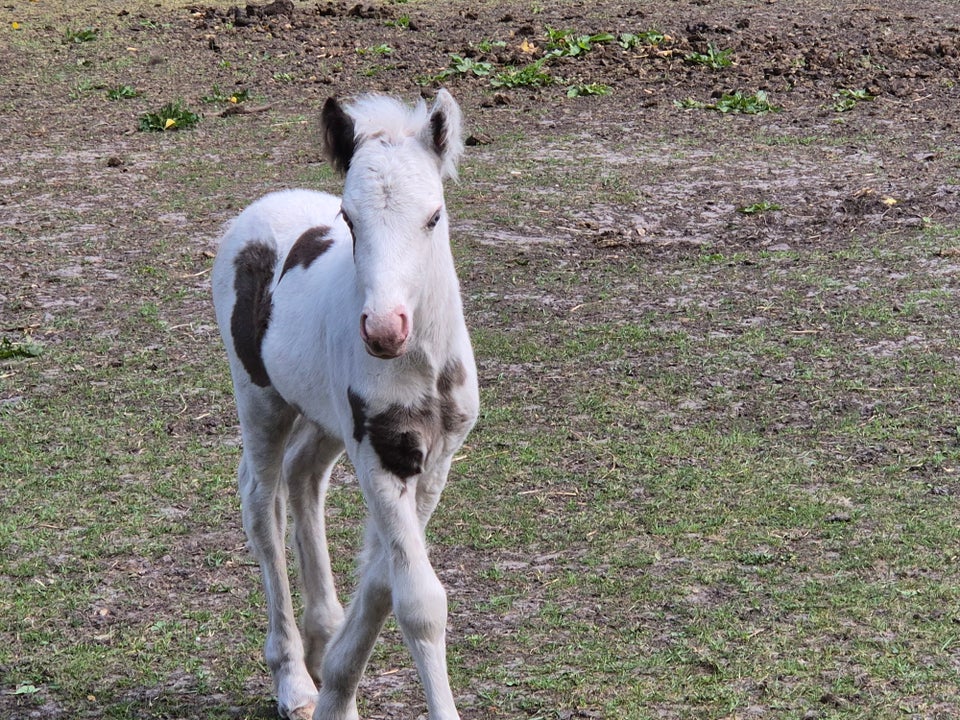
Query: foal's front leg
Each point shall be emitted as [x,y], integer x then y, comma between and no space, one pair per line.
[397,573]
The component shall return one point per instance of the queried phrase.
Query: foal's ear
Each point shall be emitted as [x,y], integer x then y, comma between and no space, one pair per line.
[339,140]
[444,133]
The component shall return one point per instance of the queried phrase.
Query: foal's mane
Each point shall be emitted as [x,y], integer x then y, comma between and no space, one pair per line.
[386,118]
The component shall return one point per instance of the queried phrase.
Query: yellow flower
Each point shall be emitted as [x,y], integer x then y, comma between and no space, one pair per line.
[233,99]
[169,124]
[15,25]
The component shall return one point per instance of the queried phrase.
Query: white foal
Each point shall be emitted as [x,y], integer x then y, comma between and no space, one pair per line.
[344,328]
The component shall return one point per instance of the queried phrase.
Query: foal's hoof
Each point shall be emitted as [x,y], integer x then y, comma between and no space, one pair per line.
[304,712]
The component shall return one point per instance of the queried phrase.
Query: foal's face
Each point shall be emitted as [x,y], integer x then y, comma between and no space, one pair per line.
[393,204]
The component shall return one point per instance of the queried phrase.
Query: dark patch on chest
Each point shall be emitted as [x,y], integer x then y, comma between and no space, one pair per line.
[254,267]
[401,435]
[309,246]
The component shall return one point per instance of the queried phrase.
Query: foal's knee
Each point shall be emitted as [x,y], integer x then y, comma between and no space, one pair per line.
[421,607]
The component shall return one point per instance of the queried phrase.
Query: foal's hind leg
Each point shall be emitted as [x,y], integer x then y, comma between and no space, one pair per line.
[307,464]
[265,422]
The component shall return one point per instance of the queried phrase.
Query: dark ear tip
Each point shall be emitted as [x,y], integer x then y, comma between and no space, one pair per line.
[339,142]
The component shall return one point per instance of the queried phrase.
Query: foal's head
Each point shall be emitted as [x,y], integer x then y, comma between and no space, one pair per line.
[395,159]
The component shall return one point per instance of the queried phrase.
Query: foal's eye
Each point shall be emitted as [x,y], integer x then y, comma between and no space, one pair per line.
[434,219]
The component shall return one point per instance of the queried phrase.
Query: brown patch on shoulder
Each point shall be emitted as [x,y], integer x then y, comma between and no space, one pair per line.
[309,246]
[254,267]
[453,375]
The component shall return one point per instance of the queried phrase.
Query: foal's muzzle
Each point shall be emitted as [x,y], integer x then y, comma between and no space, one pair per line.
[385,336]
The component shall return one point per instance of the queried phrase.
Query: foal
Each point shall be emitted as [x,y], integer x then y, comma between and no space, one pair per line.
[344,328]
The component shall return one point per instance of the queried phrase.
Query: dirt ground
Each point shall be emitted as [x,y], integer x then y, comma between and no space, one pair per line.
[887,164]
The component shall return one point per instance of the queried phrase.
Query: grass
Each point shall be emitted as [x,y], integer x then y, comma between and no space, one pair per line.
[737,102]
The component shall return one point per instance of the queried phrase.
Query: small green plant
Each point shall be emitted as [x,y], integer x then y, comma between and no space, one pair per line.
[845,100]
[486,46]
[531,75]
[172,116]
[566,43]
[284,77]
[402,22]
[714,58]
[584,89]
[218,96]
[647,38]
[10,350]
[460,65]
[72,36]
[756,104]
[84,87]
[122,92]
[759,207]
[381,49]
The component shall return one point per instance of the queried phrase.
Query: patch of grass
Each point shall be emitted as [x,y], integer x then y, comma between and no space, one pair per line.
[756,104]
[585,89]
[401,23]
[75,37]
[382,49]
[122,92]
[13,350]
[759,207]
[713,58]
[172,116]
[486,46]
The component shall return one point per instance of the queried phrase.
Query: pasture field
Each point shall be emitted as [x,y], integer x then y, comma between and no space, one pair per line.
[709,252]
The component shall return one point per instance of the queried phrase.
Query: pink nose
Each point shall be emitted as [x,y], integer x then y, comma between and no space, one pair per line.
[385,336]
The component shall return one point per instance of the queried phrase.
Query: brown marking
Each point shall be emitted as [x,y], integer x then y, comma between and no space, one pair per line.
[397,435]
[251,312]
[451,377]
[401,435]
[309,246]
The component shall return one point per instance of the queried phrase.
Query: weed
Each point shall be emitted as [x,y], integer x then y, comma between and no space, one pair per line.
[714,58]
[845,100]
[759,207]
[71,36]
[566,43]
[532,75]
[218,96]
[461,66]
[381,49]
[584,89]
[284,77]
[756,104]
[122,92]
[84,87]
[172,116]
[647,38]
[401,23]
[11,350]
[486,46]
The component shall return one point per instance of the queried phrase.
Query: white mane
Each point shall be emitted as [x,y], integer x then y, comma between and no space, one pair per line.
[387,118]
